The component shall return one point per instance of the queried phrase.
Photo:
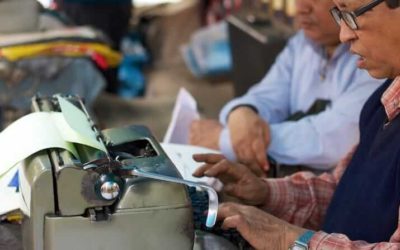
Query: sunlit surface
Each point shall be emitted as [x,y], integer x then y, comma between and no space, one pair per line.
[45,3]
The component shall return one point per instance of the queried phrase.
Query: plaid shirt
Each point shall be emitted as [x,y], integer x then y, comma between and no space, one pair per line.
[303,198]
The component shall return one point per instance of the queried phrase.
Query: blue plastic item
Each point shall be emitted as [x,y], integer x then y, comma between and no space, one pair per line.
[130,76]
[15,182]
[209,51]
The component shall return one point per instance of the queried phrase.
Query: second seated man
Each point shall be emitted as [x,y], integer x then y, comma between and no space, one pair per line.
[306,109]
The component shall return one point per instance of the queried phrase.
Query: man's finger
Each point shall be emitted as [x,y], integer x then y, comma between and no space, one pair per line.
[208,158]
[199,172]
[266,166]
[259,148]
[226,209]
[221,170]
[246,157]
[255,168]
[232,222]
[267,141]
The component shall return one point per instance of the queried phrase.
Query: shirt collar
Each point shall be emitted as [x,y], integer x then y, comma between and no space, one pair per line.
[340,49]
[391,99]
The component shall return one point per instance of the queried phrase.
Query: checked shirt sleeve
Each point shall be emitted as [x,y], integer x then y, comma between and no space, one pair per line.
[324,241]
[303,198]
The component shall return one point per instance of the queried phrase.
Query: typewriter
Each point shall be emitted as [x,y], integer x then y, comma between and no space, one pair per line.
[129,196]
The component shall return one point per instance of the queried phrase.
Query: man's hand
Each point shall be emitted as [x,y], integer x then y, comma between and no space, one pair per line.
[238,180]
[250,137]
[260,229]
[205,133]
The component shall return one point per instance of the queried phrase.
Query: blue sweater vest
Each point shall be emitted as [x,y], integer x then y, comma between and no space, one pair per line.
[366,202]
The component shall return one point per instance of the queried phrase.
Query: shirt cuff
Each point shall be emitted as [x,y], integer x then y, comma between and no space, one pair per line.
[225,145]
[321,239]
[227,109]
[278,195]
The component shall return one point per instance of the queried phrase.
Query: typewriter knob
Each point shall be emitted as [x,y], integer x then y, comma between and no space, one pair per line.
[108,187]
[109,190]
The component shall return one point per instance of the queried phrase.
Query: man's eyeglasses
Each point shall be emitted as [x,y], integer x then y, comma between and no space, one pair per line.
[350,17]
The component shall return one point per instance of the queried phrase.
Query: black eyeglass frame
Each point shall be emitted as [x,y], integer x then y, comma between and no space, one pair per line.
[339,15]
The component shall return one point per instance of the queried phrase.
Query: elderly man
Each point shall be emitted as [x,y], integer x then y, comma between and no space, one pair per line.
[355,207]
[313,69]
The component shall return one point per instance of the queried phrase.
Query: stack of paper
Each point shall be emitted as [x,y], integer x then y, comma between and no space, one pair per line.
[184,113]
[176,139]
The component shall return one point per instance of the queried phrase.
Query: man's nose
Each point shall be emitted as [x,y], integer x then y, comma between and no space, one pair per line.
[346,34]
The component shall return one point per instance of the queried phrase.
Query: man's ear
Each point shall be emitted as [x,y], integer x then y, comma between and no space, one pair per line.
[392,3]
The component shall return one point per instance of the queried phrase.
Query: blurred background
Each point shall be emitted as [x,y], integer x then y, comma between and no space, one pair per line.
[128,60]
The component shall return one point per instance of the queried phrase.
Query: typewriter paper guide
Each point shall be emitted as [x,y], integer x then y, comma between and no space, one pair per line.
[44,130]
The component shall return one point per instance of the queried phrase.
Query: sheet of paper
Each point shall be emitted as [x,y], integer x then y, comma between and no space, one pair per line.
[43,130]
[35,132]
[80,130]
[28,135]
[181,156]
[184,113]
